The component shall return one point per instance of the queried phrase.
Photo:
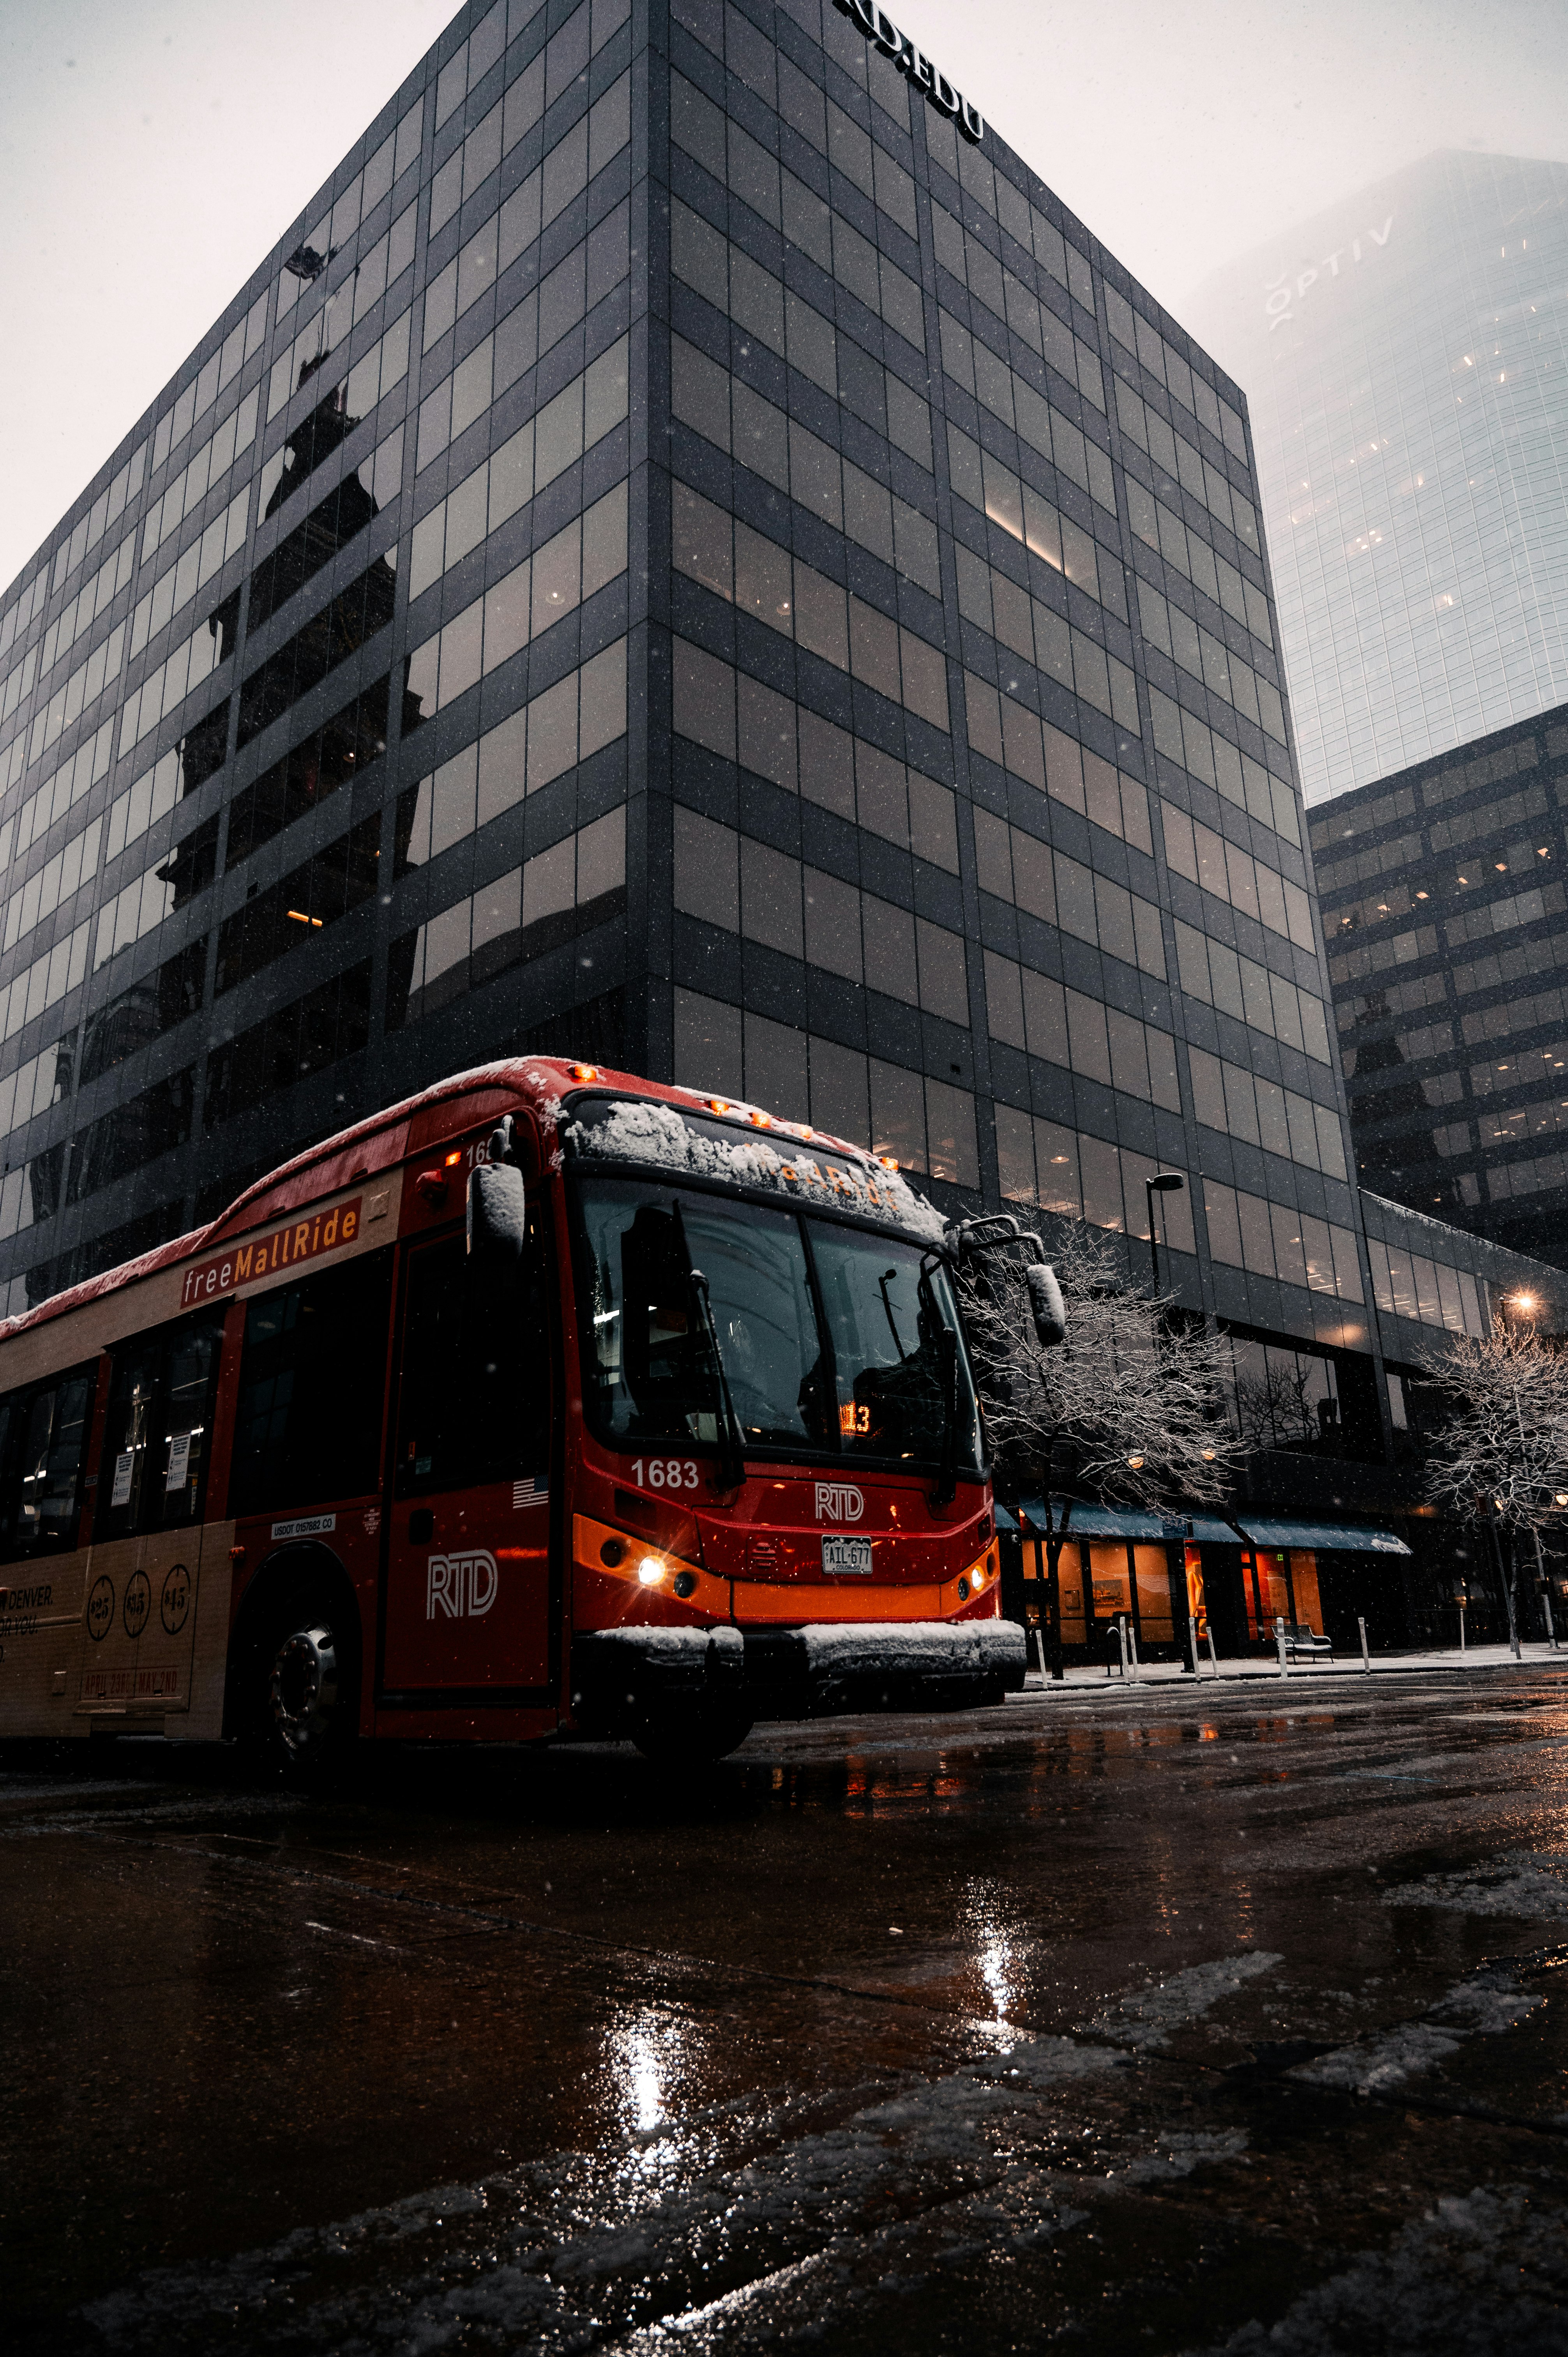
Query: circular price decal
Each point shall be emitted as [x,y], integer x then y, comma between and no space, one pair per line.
[138,1603]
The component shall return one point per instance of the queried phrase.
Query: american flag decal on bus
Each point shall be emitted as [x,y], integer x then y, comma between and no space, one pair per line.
[531,1492]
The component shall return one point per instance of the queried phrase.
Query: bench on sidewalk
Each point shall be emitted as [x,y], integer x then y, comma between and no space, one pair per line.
[1303,1643]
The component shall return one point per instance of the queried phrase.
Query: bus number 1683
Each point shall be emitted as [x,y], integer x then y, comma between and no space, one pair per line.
[665,1473]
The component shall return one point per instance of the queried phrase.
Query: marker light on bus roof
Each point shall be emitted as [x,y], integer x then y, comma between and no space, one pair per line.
[585,1071]
[453,1159]
[718,1104]
[888,1161]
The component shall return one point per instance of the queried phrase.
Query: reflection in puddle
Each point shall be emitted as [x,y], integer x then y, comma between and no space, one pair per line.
[997,1946]
[648,2063]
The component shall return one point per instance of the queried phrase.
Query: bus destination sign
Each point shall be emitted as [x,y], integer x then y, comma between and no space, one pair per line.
[301,1240]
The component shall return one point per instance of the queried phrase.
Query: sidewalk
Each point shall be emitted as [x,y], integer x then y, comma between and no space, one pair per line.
[1535,1655]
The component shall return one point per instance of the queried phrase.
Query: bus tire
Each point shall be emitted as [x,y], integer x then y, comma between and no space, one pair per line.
[301,1707]
[679,1737]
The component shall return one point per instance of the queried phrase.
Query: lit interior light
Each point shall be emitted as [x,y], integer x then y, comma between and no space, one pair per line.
[1208,1454]
[650,1571]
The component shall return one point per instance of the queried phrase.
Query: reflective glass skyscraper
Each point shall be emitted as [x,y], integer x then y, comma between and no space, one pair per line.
[687,554]
[1405,359]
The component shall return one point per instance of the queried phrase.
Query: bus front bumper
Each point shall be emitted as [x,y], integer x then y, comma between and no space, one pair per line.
[619,1674]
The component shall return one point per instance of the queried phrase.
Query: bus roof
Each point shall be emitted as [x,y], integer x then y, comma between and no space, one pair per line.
[537,1083]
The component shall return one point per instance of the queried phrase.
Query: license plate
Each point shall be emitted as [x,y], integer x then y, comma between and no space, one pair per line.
[845,1558]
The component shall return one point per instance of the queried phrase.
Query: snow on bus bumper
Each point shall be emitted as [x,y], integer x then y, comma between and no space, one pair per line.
[814,1672]
[619,1674]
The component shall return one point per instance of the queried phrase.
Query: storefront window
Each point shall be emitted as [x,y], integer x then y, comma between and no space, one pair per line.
[1109,1584]
[1266,1582]
[1197,1602]
[1304,1589]
[1152,1573]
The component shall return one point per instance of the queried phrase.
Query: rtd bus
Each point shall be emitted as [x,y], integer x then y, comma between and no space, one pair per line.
[551,1402]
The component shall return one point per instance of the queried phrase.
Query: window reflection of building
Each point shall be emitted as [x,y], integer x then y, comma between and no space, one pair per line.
[1398,1152]
[1285,1399]
[347,744]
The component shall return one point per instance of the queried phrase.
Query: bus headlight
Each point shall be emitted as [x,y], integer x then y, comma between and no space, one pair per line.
[650,1571]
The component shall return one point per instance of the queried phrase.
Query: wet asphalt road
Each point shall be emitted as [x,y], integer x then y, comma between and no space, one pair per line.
[1144,2020]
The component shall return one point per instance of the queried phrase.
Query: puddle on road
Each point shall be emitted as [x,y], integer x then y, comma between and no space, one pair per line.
[689,2215]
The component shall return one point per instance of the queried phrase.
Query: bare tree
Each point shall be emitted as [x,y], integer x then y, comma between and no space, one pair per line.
[1137,1394]
[1499,1452]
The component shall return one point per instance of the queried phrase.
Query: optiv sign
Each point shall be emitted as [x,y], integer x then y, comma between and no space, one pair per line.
[878,27]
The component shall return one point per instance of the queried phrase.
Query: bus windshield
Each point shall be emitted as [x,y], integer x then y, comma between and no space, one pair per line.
[830,1336]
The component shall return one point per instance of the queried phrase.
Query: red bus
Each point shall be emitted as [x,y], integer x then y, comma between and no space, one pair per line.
[550,1402]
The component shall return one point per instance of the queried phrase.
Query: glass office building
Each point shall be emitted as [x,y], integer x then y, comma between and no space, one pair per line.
[1442,901]
[1405,356]
[688,555]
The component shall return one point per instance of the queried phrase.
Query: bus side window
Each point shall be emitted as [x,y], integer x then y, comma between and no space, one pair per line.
[43,1438]
[157,1439]
[308,1426]
[474,1402]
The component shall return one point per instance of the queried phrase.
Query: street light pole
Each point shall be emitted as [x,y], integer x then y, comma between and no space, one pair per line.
[1163,1182]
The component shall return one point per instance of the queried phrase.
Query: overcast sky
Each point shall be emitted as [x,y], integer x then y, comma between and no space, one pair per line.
[151,151]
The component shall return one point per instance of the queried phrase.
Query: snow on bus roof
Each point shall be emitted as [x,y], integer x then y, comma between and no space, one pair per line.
[542,1081]
[645,1130]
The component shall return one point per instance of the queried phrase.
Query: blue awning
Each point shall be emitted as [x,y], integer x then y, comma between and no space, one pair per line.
[1086,1521]
[1323,1538]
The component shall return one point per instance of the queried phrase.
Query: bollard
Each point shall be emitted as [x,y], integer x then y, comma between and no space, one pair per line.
[1461,1628]
[1213,1656]
[1122,1639]
[1133,1651]
[1365,1657]
[1279,1642]
[1192,1640]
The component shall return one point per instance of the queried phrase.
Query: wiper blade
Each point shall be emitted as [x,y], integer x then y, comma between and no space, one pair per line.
[730,1470]
[947,1376]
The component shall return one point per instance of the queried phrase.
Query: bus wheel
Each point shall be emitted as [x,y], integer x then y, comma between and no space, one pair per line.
[677,1739]
[302,1693]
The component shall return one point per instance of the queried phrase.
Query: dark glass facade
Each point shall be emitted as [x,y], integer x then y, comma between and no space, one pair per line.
[689,555]
[1443,903]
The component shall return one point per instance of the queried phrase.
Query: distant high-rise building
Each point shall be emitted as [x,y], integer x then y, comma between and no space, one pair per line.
[1443,903]
[1405,358]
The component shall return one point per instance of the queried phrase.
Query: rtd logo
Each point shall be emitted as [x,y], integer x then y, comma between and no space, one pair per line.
[461,1587]
[839,1501]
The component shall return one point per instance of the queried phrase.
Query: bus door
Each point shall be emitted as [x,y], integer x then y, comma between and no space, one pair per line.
[467,1599]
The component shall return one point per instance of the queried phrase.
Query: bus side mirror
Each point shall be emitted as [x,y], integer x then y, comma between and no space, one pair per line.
[497,1217]
[1046,1302]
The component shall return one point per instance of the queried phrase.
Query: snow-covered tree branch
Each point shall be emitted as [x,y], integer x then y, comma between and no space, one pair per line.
[1500,1452]
[1138,1397]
